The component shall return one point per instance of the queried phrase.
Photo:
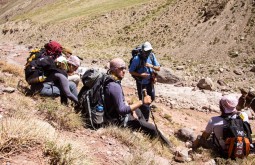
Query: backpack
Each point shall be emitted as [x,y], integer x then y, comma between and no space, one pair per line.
[237,137]
[29,71]
[91,98]
[137,52]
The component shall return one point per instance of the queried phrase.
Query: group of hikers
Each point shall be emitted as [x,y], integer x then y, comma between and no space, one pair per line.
[54,71]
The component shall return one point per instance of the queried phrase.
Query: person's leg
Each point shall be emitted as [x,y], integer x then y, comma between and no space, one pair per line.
[73,88]
[74,78]
[148,129]
[150,91]
[145,127]
[49,89]
[139,114]
[145,109]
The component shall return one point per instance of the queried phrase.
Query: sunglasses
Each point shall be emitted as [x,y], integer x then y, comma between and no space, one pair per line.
[123,68]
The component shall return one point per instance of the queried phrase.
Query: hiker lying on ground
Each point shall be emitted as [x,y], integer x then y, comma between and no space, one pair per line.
[218,124]
[143,67]
[118,111]
[53,81]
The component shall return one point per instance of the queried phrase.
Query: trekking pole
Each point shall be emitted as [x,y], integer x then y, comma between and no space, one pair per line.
[159,134]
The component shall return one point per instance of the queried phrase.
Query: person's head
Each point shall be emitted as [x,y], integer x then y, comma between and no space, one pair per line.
[67,52]
[146,49]
[53,49]
[228,104]
[118,68]
[73,63]
[61,62]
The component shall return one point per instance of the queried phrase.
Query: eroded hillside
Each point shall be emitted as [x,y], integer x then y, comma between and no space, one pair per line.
[201,36]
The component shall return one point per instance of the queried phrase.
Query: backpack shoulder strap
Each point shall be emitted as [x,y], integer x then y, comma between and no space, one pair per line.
[152,59]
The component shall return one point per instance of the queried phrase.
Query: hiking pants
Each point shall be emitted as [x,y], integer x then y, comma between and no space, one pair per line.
[142,125]
[151,92]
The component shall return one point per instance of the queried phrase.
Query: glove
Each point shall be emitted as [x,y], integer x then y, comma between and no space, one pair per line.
[42,78]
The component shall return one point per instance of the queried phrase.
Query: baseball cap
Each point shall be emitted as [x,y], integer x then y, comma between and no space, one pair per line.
[74,60]
[147,46]
[229,103]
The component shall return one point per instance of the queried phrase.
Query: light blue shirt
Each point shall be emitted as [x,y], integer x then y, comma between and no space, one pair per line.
[136,67]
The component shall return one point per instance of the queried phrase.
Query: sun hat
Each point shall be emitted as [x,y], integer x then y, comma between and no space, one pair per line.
[61,59]
[147,46]
[67,51]
[117,63]
[229,103]
[74,60]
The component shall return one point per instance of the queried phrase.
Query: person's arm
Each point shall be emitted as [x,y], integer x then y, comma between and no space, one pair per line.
[117,97]
[154,63]
[156,68]
[142,75]
[133,68]
[200,139]
[146,100]
[65,86]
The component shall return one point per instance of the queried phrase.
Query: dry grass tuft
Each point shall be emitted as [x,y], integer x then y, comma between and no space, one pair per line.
[60,116]
[12,69]
[66,153]
[17,134]
[138,143]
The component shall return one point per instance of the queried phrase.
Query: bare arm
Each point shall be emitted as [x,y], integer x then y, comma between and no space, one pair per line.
[147,100]
[156,68]
[142,75]
[196,144]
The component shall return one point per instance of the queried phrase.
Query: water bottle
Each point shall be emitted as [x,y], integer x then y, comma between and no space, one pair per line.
[99,108]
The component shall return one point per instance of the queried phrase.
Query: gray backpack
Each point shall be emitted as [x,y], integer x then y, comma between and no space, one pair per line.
[90,97]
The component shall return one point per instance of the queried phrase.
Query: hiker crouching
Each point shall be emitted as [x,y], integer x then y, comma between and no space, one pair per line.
[54,82]
[117,110]
[229,133]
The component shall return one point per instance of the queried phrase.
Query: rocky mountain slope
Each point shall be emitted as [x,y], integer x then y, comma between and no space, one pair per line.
[195,38]
[204,38]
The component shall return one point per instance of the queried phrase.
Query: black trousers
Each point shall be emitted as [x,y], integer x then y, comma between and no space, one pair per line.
[141,124]
[145,109]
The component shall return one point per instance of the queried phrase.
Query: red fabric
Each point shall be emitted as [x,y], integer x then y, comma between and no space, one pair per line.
[53,48]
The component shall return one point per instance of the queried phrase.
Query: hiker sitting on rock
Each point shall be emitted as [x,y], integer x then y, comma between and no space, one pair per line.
[218,127]
[118,111]
[143,67]
[53,82]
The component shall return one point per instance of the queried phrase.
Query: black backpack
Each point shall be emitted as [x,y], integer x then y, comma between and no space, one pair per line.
[237,137]
[91,98]
[30,71]
[137,52]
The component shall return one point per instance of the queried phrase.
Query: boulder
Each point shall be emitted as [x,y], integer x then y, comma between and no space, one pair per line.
[165,75]
[206,83]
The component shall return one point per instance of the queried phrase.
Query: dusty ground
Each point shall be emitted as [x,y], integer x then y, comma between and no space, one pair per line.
[207,38]
[110,148]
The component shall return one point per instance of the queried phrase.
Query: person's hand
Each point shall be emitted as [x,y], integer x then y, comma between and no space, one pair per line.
[144,75]
[147,99]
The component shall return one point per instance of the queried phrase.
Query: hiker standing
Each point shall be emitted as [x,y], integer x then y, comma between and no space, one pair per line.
[216,127]
[116,108]
[143,67]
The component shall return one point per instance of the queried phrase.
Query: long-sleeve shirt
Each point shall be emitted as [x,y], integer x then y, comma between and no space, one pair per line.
[114,100]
